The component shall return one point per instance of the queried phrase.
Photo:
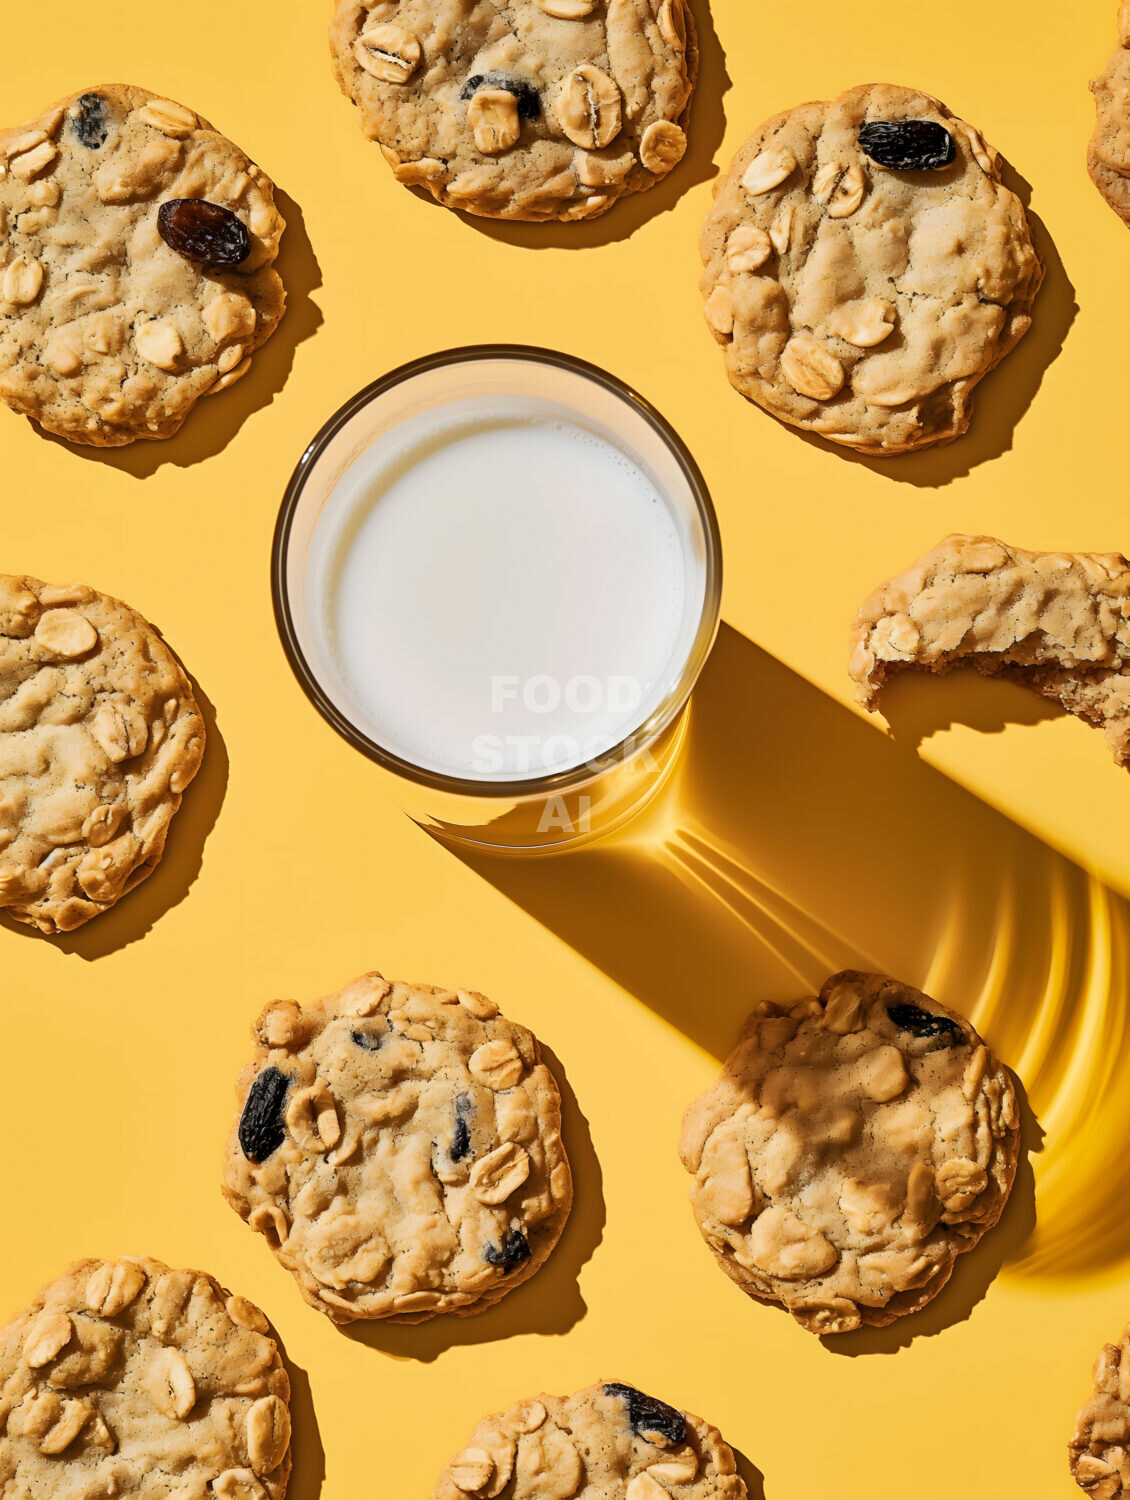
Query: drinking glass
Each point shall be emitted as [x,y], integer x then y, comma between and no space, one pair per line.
[535,813]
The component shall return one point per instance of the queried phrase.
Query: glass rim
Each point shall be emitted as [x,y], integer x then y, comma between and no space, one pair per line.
[557,783]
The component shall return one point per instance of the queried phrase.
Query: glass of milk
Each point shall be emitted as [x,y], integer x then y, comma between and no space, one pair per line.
[496,573]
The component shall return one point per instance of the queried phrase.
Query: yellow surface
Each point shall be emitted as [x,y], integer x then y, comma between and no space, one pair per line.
[797,836]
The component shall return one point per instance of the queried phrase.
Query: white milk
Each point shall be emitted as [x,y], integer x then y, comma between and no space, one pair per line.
[502,590]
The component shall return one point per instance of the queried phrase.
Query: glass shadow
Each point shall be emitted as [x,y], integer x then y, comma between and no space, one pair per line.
[795,839]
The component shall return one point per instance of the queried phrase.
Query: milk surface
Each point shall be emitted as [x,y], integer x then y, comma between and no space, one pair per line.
[503,591]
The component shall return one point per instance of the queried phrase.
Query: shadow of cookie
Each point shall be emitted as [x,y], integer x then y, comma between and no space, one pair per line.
[917,707]
[752,1477]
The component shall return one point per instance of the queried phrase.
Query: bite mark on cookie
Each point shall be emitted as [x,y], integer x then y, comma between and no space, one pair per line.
[1056,622]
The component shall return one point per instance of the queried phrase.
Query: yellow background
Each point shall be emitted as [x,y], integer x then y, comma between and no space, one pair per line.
[985,850]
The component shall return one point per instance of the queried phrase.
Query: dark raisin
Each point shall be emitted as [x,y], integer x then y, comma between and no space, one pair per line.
[529,104]
[90,125]
[260,1126]
[461,1134]
[652,1420]
[907,145]
[203,232]
[368,1040]
[923,1023]
[514,1250]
